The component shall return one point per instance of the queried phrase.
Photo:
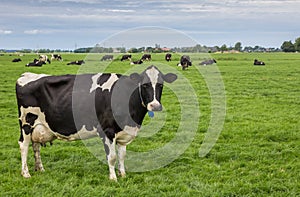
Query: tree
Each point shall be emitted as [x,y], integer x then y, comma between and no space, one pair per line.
[133,50]
[238,46]
[297,44]
[288,46]
[223,47]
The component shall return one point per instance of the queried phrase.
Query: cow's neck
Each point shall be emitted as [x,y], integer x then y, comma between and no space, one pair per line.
[137,108]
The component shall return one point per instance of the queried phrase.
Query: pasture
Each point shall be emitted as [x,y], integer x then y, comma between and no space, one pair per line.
[256,154]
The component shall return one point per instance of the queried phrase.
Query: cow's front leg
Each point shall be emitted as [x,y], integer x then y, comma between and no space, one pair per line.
[121,156]
[37,156]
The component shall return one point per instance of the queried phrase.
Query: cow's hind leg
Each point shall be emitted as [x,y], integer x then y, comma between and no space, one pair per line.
[26,121]
[37,156]
[24,142]
[121,156]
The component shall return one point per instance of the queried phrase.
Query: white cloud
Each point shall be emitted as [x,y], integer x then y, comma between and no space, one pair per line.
[33,31]
[5,32]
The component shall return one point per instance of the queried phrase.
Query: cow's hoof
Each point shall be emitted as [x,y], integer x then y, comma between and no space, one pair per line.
[39,168]
[25,174]
[122,174]
[113,178]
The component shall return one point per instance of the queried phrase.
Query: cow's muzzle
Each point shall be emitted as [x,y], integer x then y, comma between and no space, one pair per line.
[154,106]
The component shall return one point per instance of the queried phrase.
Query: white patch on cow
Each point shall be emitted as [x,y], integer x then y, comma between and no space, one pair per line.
[153,76]
[105,86]
[29,77]
[94,80]
[82,134]
[110,82]
[127,135]
[41,131]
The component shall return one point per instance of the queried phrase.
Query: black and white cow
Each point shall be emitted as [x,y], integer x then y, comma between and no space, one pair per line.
[185,62]
[35,62]
[258,63]
[77,62]
[73,107]
[44,58]
[137,62]
[208,62]
[168,57]
[56,57]
[107,58]
[126,57]
[146,57]
[16,60]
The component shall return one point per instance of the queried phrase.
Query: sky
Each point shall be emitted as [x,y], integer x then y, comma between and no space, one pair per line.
[70,24]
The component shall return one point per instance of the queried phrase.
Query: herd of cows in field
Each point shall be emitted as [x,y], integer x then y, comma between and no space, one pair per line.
[185,60]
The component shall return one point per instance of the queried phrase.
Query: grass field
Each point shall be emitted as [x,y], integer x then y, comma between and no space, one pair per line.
[256,154]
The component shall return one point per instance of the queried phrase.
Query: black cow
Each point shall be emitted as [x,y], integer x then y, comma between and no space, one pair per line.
[17,60]
[258,63]
[56,57]
[185,62]
[77,62]
[208,62]
[168,57]
[107,57]
[146,57]
[137,62]
[35,62]
[126,57]
[73,107]
[44,58]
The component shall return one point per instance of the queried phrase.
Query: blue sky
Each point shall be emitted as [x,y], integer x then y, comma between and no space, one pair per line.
[66,24]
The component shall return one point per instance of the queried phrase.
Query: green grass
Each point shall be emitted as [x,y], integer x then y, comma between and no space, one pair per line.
[257,153]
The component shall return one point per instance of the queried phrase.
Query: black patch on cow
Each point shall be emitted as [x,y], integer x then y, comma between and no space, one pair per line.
[103,137]
[110,134]
[21,139]
[102,79]
[30,118]
[27,129]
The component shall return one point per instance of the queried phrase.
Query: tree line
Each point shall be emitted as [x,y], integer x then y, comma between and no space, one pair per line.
[289,46]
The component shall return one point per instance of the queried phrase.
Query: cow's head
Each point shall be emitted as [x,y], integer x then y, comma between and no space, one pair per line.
[151,85]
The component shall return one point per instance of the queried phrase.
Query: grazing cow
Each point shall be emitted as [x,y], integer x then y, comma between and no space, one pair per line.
[185,62]
[208,62]
[108,105]
[126,57]
[258,63]
[35,62]
[168,57]
[137,62]
[107,57]
[44,58]
[56,57]
[17,60]
[146,57]
[77,62]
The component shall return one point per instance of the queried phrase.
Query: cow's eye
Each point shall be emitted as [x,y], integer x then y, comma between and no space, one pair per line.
[159,85]
[145,85]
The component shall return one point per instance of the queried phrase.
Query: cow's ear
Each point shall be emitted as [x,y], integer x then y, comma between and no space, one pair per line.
[135,77]
[170,77]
